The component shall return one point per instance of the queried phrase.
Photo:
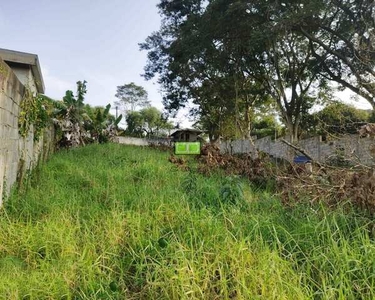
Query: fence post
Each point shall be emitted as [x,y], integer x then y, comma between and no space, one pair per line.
[319,148]
[269,146]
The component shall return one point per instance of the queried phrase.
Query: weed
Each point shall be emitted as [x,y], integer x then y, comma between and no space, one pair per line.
[232,191]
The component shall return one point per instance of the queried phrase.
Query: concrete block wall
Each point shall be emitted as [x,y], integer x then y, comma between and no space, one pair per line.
[353,148]
[141,141]
[17,154]
[238,146]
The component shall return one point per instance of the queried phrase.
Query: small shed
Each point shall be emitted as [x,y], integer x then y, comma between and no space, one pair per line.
[186,135]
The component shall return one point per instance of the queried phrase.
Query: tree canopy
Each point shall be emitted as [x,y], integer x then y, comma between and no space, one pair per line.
[335,119]
[148,122]
[131,96]
[230,56]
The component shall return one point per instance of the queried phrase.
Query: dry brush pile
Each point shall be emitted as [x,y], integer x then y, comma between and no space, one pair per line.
[293,183]
[330,186]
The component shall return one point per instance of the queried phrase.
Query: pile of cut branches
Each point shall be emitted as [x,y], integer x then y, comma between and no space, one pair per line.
[332,186]
[296,183]
[256,170]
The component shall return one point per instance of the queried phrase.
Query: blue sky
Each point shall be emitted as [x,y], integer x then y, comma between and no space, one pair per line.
[88,40]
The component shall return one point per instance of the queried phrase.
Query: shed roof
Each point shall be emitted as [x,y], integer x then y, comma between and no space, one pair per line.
[187,130]
[29,59]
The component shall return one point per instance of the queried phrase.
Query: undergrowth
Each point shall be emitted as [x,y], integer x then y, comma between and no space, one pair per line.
[118,222]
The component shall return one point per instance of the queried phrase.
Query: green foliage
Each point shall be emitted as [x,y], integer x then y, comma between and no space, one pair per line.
[227,57]
[336,118]
[35,110]
[266,125]
[239,59]
[148,121]
[189,184]
[131,96]
[72,107]
[79,123]
[100,123]
[69,117]
[4,70]
[88,230]
[341,35]
[232,191]
[134,123]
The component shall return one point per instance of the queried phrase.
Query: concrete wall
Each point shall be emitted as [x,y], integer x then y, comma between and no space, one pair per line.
[25,76]
[351,147]
[17,154]
[141,141]
[181,137]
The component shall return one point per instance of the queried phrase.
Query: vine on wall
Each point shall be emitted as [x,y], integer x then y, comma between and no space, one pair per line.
[34,111]
[3,70]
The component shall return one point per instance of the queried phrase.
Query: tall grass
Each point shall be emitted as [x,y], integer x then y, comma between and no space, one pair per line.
[116,222]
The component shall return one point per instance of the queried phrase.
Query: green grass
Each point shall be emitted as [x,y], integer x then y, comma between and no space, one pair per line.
[117,222]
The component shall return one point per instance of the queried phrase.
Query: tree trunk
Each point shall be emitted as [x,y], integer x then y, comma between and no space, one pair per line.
[293,132]
[248,123]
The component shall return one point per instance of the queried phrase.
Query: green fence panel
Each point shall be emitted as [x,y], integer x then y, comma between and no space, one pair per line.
[188,148]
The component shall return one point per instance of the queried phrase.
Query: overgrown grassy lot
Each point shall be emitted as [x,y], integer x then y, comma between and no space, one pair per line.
[117,222]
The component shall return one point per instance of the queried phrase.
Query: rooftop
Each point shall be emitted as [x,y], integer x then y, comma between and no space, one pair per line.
[29,59]
[187,130]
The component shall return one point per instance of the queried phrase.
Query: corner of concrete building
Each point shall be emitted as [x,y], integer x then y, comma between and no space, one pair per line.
[15,151]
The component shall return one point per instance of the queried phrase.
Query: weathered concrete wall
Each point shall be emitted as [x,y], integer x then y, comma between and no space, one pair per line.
[141,142]
[238,146]
[351,147]
[25,76]
[17,154]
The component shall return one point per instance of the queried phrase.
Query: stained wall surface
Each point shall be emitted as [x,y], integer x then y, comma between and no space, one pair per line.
[17,154]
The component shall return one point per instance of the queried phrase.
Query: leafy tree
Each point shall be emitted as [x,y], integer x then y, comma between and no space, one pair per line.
[131,96]
[341,34]
[154,121]
[192,67]
[266,122]
[134,123]
[147,122]
[336,118]
[232,53]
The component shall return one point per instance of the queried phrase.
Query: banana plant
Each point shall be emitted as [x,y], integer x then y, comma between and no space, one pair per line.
[69,117]
[102,125]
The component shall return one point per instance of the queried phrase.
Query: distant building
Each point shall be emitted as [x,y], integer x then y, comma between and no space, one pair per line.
[186,135]
[26,68]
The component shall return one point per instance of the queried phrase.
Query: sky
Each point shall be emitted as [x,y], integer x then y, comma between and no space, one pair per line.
[92,40]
